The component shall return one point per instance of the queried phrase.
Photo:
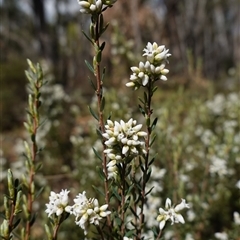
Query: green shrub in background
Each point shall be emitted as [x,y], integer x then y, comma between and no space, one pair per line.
[123,172]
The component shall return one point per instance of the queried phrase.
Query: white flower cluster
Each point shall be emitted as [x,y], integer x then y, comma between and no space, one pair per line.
[153,69]
[124,141]
[57,203]
[94,6]
[87,211]
[171,213]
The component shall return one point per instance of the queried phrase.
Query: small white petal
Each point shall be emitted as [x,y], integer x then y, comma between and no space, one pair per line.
[125,149]
[130,84]
[180,218]
[164,78]
[168,203]
[84,4]
[145,80]
[162,224]
[165,71]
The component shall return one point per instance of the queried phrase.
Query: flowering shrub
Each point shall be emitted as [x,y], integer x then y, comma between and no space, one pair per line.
[143,161]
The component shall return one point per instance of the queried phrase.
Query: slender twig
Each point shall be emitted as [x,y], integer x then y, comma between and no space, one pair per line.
[10,224]
[30,199]
[56,231]
[159,235]
[146,158]
[100,115]
[123,199]
[100,232]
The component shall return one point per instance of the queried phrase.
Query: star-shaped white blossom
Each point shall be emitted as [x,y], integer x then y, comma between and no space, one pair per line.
[87,211]
[153,69]
[171,213]
[57,203]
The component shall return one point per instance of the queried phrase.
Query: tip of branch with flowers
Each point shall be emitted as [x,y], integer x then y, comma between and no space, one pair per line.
[94,6]
[151,70]
[86,210]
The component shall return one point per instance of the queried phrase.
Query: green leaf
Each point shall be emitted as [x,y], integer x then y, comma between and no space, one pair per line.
[38,167]
[16,223]
[104,28]
[141,110]
[39,192]
[103,74]
[99,133]
[92,84]
[97,154]
[89,39]
[98,190]
[116,194]
[145,97]
[141,100]
[16,183]
[33,219]
[100,173]
[89,66]
[118,221]
[152,160]
[148,175]
[93,113]
[130,189]
[154,89]
[48,232]
[153,140]
[154,123]
[102,104]
[102,46]
[33,137]
[135,214]
[99,56]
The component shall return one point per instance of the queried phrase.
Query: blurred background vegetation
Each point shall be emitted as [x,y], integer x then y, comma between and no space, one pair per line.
[204,39]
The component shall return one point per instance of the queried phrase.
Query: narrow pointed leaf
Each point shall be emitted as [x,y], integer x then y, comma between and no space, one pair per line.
[89,66]
[102,104]
[98,190]
[93,113]
[89,39]
[97,154]
[154,123]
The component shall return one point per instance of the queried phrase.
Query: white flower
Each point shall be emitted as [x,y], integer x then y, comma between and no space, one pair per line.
[124,140]
[57,203]
[171,213]
[112,169]
[90,6]
[221,236]
[153,69]
[87,211]
[236,218]
[218,166]
[155,52]
[238,184]
[127,238]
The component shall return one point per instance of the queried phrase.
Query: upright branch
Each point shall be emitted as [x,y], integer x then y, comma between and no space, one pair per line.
[145,76]
[12,207]
[35,78]
[97,28]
